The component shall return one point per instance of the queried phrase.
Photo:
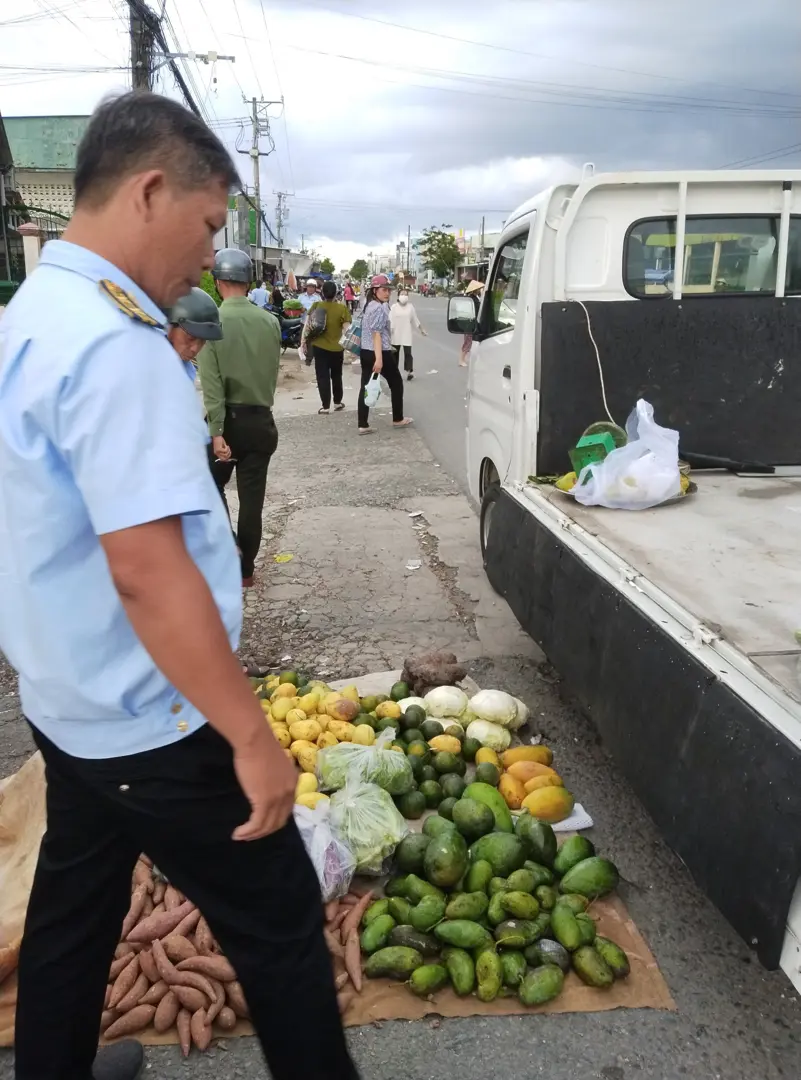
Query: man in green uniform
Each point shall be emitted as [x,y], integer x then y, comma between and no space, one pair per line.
[238,376]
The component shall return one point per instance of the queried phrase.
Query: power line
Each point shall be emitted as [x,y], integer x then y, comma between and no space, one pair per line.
[770,155]
[545,56]
[281,92]
[247,46]
[216,37]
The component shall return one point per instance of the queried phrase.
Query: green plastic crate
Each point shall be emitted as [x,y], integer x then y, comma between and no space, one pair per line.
[590,449]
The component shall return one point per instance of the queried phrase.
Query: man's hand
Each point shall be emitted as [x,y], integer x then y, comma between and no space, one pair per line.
[222,451]
[268,779]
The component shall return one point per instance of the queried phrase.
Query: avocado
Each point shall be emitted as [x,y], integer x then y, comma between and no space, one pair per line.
[445,808]
[453,786]
[407,936]
[472,819]
[547,951]
[399,691]
[445,762]
[366,718]
[386,722]
[572,851]
[410,851]
[428,771]
[412,735]
[445,860]
[470,747]
[416,764]
[412,805]
[430,729]
[487,773]
[513,964]
[432,792]
[462,970]
[460,768]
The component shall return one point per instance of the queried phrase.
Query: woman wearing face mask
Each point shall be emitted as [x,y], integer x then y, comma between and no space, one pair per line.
[377,356]
[404,320]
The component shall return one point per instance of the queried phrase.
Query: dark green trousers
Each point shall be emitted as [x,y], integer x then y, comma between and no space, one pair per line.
[251,433]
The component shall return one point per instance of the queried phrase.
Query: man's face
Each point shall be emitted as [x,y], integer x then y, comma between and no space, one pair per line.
[311,288]
[184,344]
[177,230]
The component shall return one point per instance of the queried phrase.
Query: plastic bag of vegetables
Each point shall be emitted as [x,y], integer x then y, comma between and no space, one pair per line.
[364,817]
[374,764]
[332,859]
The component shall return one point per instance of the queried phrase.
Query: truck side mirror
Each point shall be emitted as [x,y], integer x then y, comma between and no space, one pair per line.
[461,315]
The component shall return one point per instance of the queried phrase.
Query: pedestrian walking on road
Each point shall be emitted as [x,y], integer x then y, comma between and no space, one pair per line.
[377,356]
[308,297]
[349,296]
[473,289]
[238,376]
[328,353]
[117,551]
[404,320]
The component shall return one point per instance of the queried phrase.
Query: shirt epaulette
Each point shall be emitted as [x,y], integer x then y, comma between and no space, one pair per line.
[126,303]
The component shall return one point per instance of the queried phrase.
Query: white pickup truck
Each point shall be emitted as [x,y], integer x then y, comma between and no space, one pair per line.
[674,627]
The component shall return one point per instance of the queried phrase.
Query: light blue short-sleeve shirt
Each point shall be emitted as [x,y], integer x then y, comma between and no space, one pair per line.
[99,431]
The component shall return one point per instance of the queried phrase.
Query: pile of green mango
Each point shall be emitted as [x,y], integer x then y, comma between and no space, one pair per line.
[495,913]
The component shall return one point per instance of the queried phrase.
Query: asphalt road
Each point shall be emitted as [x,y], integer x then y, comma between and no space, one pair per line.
[436,397]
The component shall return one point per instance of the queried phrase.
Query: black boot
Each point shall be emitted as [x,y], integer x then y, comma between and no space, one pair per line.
[122,1061]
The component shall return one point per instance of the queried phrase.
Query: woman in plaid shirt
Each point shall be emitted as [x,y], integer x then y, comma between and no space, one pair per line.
[377,354]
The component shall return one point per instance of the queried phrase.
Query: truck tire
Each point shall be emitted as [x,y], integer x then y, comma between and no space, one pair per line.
[491,495]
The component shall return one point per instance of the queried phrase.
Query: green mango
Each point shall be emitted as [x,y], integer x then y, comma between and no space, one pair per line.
[489,975]
[395,962]
[461,969]
[565,928]
[425,915]
[538,837]
[573,850]
[614,956]
[427,979]
[471,906]
[375,935]
[520,905]
[541,985]
[513,966]
[379,907]
[479,875]
[400,909]
[591,967]
[463,933]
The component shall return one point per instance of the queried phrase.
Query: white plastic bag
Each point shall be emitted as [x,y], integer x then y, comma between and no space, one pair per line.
[641,474]
[332,859]
[367,821]
[369,764]
[372,392]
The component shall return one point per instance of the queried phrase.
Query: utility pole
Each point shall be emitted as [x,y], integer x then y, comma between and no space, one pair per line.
[281,215]
[408,250]
[261,126]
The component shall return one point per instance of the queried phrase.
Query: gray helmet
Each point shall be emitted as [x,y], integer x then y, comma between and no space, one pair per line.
[197,314]
[231,264]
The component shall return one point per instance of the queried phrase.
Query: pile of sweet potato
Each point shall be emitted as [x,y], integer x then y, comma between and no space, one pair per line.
[342,920]
[168,970]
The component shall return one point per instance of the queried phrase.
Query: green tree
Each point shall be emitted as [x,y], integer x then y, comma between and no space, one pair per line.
[359,270]
[438,251]
[206,283]
[327,266]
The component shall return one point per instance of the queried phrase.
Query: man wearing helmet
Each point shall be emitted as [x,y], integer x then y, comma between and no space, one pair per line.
[193,320]
[238,376]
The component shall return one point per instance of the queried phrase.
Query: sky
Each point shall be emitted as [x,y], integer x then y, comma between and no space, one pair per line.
[429,112]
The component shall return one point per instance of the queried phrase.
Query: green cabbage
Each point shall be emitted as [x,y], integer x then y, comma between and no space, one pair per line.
[494,705]
[445,701]
[494,736]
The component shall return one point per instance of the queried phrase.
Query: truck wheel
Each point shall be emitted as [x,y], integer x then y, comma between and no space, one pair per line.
[490,498]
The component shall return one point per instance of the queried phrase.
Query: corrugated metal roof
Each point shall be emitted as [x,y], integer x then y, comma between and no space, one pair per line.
[45,142]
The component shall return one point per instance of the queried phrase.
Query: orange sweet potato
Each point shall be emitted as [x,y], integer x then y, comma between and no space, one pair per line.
[159,925]
[148,965]
[156,994]
[134,995]
[179,948]
[166,1013]
[200,1030]
[172,898]
[190,998]
[182,1022]
[203,937]
[123,983]
[226,1019]
[135,910]
[219,1000]
[353,960]
[354,916]
[236,999]
[214,967]
[133,1021]
[118,965]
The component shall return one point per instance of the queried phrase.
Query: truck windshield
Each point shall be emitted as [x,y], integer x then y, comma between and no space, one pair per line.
[721,255]
[505,285]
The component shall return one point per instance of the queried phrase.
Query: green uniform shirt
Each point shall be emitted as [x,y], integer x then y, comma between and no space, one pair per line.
[336,316]
[242,369]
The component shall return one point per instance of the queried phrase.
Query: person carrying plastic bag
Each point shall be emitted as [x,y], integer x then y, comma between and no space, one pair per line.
[639,475]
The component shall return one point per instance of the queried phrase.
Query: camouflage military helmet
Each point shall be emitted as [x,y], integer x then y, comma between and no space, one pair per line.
[231,264]
[197,314]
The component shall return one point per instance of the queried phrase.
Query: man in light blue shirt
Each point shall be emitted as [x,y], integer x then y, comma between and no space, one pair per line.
[259,296]
[308,297]
[120,607]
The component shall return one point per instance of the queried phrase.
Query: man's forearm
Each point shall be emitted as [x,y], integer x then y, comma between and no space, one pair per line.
[175,617]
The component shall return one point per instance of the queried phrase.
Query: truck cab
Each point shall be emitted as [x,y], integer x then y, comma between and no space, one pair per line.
[674,627]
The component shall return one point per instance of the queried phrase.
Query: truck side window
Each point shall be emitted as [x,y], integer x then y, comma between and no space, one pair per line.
[722,255]
[504,291]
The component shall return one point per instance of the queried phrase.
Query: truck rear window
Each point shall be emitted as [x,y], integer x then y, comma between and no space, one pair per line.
[722,255]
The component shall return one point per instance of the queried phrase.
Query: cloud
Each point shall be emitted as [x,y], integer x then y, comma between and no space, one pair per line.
[418,128]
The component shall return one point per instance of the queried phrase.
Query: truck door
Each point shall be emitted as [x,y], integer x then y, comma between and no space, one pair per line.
[494,358]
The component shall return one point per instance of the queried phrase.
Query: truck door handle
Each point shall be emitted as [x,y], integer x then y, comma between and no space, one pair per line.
[507,372]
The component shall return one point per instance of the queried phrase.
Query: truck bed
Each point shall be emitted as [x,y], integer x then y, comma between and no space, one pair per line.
[730,555]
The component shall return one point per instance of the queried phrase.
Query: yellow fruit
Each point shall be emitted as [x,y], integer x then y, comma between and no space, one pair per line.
[351,693]
[271,682]
[487,756]
[342,731]
[567,482]
[342,708]
[685,483]
[300,744]
[527,770]
[309,702]
[280,709]
[512,791]
[307,730]
[322,719]
[312,799]
[265,705]
[388,709]
[549,804]
[294,715]
[326,739]
[307,759]
[284,690]
[526,753]
[307,783]
[398,748]
[283,738]
[550,780]
[364,735]
[448,743]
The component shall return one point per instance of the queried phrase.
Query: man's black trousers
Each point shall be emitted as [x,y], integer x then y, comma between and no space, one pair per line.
[178,804]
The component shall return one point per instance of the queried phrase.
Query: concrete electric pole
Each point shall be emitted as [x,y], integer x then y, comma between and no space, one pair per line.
[261,126]
[281,215]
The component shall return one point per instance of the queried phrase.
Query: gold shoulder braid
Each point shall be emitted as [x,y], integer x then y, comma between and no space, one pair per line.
[126,303]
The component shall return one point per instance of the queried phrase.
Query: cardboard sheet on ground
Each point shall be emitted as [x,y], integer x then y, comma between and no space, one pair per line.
[22,820]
